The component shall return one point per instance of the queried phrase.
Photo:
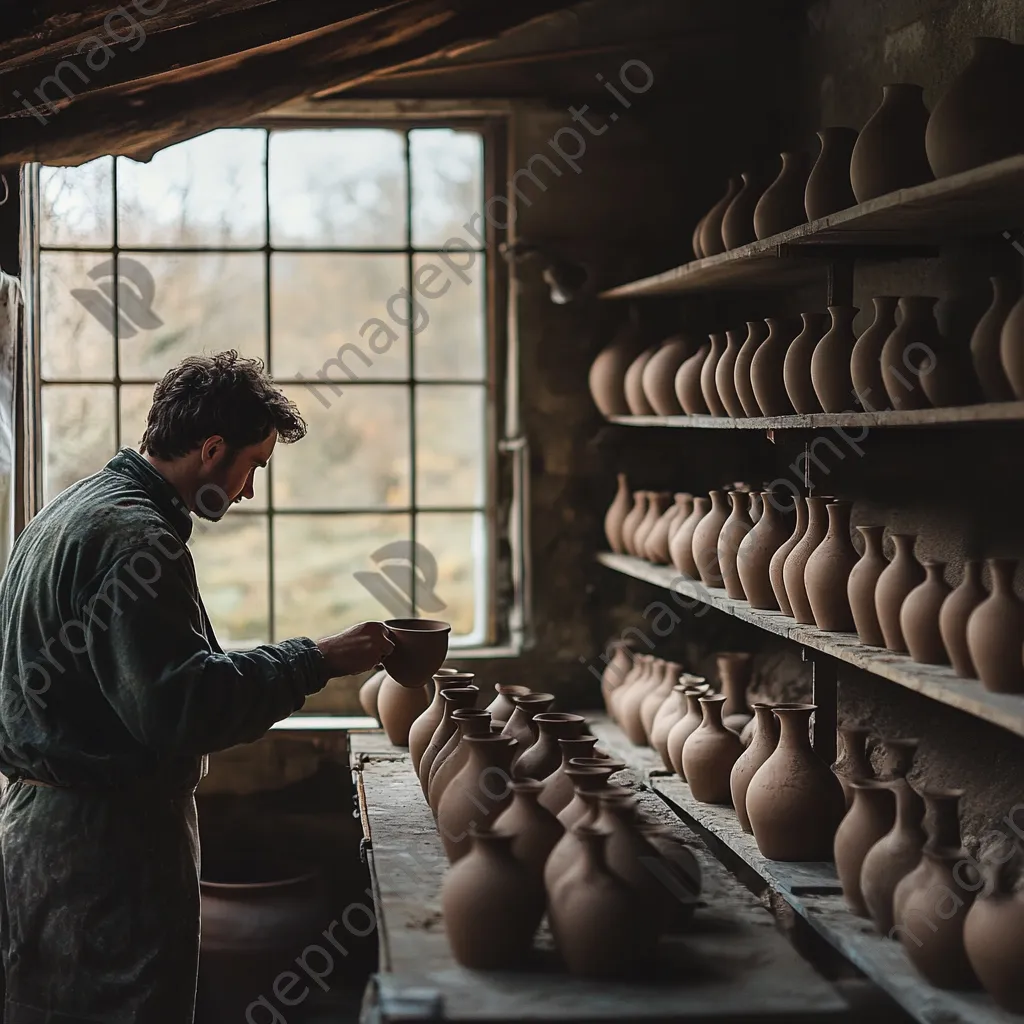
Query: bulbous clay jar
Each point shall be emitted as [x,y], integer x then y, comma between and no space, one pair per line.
[827,573]
[656,545]
[869,818]
[460,693]
[776,568]
[953,616]
[950,380]
[659,376]
[985,340]
[450,761]
[682,730]
[762,745]
[687,382]
[854,765]
[796,562]
[861,586]
[755,506]
[711,243]
[889,153]
[734,671]
[398,707]
[629,706]
[683,510]
[540,760]
[657,505]
[618,661]
[796,369]
[738,222]
[680,547]
[909,352]
[633,519]
[608,371]
[895,582]
[705,540]
[533,829]
[588,781]
[557,787]
[753,560]
[830,362]
[767,368]
[995,632]
[994,934]
[794,802]
[866,358]
[757,334]
[1011,348]
[709,754]
[782,205]
[369,691]
[520,725]
[736,527]
[725,373]
[707,375]
[637,675]
[491,904]
[633,384]
[670,712]
[828,187]
[670,673]
[919,617]
[616,515]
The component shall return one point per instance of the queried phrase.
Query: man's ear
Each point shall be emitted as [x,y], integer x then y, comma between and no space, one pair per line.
[213,448]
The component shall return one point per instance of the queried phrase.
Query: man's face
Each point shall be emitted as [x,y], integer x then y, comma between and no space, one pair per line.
[227,475]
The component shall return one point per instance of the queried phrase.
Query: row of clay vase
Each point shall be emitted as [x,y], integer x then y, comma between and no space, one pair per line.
[900,146]
[780,366]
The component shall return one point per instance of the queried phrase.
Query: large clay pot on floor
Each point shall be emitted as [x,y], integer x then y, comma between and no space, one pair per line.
[828,569]
[687,382]
[909,352]
[828,187]
[796,562]
[453,698]
[659,376]
[557,787]
[762,745]
[608,371]
[534,830]
[830,363]
[709,754]
[866,358]
[895,582]
[757,335]
[738,222]
[725,372]
[985,339]
[540,760]
[919,616]
[680,547]
[398,707]
[616,515]
[782,205]
[953,616]
[708,372]
[794,802]
[862,583]
[705,540]
[736,528]
[767,367]
[776,567]
[711,243]
[423,729]
[796,370]
[453,756]
[870,817]
[753,560]
[995,632]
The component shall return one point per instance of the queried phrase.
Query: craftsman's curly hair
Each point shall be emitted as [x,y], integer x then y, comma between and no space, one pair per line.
[223,394]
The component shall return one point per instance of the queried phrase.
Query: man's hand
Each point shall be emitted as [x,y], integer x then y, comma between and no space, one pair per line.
[357,649]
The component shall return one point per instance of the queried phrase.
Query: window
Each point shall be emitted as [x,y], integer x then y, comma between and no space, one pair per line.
[329,253]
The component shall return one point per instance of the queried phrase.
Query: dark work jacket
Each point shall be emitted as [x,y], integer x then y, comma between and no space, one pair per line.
[113,688]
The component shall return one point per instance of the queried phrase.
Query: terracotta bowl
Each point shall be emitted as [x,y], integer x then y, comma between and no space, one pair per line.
[421,645]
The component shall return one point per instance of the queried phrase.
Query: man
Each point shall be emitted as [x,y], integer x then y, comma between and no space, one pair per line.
[112,690]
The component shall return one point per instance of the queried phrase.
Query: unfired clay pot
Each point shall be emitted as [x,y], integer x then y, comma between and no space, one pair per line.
[680,547]
[668,714]
[588,780]
[861,586]
[736,527]
[534,830]
[616,515]
[398,707]
[738,222]
[753,560]
[782,205]
[659,376]
[988,365]
[827,573]
[453,756]
[501,707]
[711,243]
[854,765]
[757,334]
[707,375]
[637,676]
[423,729]
[889,153]
[709,754]
[953,616]
[950,380]
[1011,348]
[734,671]
[617,670]
[520,725]
[796,370]
[633,384]
[796,562]
[682,730]
[776,568]
[762,744]
[541,759]
[628,706]
[462,694]
[670,673]
[369,692]
[608,371]
[656,543]
[828,187]
[705,540]
[919,616]
[725,373]
[909,352]
[830,363]
[866,359]
[687,382]
[557,787]
[657,505]
[755,506]
[698,252]
[634,517]
[895,582]
[995,632]
[421,645]
[870,817]
[766,368]
[794,802]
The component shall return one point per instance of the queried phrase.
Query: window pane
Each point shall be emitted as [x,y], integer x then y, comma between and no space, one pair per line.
[447,186]
[316,559]
[231,565]
[76,204]
[78,433]
[207,191]
[356,454]
[450,445]
[76,326]
[450,325]
[204,302]
[323,302]
[458,545]
[338,187]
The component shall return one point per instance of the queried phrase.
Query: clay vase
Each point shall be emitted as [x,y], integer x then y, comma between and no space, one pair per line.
[725,373]
[687,382]
[753,560]
[782,205]
[866,359]
[830,363]
[705,540]
[796,563]
[709,753]
[659,376]
[587,904]
[478,794]
[895,582]
[520,725]
[453,698]
[698,252]
[994,933]
[616,670]
[608,371]
[453,756]
[796,370]
[633,384]
[557,787]
[794,802]
[738,222]
[995,632]
[670,673]
[533,829]
[777,566]
[919,616]
[634,517]
[626,693]
[501,707]
[827,573]
[369,692]
[870,817]
[682,730]
[757,334]
[756,507]
[854,765]
[492,904]
[766,368]
[711,243]
[736,528]
[587,781]
[828,187]
[540,760]
[1011,348]
[628,707]
[953,616]
[948,379]
[656,543]
[909,352]
[734,671]
[974,122]
[683,511]
[616,515]
[889,153]
[860,588]
[398,707]
[707,375]
[985,340]
[423,729]
[762,745]
[680,547]
[668,715]
[657,505]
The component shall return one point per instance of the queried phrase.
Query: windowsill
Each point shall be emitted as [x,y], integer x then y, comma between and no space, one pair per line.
[331,723]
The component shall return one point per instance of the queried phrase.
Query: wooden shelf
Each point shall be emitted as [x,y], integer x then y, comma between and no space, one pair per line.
[934,681]
[982,201]
[988,412]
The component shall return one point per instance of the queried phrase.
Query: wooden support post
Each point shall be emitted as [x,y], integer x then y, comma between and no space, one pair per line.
[825,683]
[840,283]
